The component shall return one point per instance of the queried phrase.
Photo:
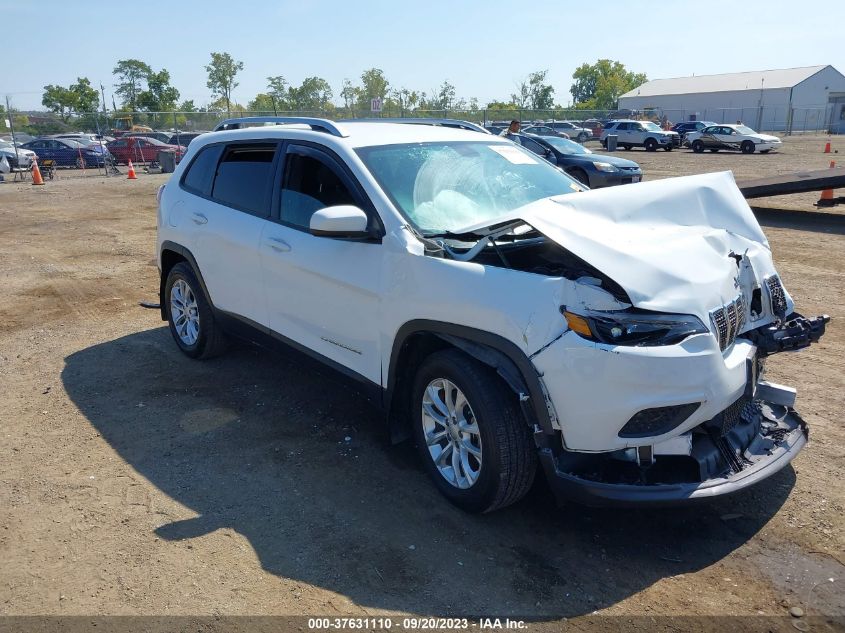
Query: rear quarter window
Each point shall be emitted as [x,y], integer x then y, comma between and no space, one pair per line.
[200,173]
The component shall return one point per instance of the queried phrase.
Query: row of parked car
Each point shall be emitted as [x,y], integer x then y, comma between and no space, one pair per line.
[697,135]
[83,150]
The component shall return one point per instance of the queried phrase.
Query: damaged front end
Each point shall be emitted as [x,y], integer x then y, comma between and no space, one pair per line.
[747,442]
[669,305]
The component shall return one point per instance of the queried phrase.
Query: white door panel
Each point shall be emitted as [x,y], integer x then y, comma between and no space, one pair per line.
[226,250]
[324,294]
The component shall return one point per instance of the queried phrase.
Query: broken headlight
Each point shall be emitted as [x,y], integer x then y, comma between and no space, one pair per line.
[638,328]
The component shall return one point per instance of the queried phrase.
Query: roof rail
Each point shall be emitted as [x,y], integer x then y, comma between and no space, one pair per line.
[454,123]
[318,125]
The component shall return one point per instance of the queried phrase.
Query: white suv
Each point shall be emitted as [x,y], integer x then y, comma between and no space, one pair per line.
[640,134]
[500,314]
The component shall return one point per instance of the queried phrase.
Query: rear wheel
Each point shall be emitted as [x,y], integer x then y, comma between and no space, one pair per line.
[747,147]
[650,145]
[189,315]
[697,146]
[583,136]
[668,148]
[470,434]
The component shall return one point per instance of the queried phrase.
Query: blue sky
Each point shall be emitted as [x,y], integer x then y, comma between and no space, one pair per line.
[483,48]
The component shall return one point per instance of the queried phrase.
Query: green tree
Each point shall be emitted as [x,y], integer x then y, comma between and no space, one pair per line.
[598,86]
[58,99]
[86,97]
[131,73]
[540,94]
[262,103]
[373,85]
[159,96]
[277,90]
[350,94]
[187,106]
[443,97]
[314,94]
[221,77]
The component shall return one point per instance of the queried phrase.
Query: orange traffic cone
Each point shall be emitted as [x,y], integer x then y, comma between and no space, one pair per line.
[132,175]
[36,174]
[827,194]
[827,148]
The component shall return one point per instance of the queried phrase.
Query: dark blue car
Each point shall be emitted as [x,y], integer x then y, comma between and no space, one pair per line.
[67,153]
[593,170]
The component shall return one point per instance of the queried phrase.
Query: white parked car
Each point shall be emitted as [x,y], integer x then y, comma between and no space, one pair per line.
[499,314]
[580,134]
[732,137]
[640,134]
[17,157]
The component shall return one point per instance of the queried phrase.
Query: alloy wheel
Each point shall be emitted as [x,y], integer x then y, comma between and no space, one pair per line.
[451,433]
[184,312]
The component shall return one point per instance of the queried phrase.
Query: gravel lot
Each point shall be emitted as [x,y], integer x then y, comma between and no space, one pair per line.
[135,481]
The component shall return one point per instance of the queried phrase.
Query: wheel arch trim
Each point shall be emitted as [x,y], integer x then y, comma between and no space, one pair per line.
[509,361]
[186,254]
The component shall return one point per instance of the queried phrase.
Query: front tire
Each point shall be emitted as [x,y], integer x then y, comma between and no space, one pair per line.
[580,175]
[189,315]
[470,434]
[697,146]
[668,148]
[650,145]
[747,147]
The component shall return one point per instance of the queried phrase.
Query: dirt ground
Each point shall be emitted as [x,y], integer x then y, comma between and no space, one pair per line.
[135,481]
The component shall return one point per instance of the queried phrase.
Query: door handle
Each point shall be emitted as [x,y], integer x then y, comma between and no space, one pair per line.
[199,218]
[278,244]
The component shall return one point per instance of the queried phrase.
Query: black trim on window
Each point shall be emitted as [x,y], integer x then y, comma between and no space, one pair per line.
[223,145]
[341,170]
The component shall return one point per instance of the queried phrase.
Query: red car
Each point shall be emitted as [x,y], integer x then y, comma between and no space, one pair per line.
[141,149]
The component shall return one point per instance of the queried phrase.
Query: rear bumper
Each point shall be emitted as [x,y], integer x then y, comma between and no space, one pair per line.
[768,452]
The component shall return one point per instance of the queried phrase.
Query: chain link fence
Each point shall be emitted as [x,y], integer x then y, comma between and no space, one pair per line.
[768,119]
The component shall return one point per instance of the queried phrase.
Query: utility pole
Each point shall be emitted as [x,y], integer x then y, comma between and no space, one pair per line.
[12,129]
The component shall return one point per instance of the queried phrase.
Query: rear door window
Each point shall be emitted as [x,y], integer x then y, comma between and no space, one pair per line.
[200,173]
[244,178]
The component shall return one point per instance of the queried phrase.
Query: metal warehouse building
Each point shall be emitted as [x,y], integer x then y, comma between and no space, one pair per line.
[792,99]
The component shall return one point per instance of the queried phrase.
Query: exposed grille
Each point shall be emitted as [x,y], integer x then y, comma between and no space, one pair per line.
[728,320]
[777,295]
[743,410]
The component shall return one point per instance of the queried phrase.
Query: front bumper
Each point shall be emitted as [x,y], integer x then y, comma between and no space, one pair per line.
[600,178]
[753,451]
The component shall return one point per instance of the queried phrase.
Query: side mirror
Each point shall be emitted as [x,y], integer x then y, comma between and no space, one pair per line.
[341,221]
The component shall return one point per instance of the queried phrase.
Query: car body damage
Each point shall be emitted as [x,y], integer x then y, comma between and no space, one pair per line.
[651,339]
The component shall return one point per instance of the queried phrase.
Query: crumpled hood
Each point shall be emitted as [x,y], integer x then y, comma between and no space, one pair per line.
[667,242]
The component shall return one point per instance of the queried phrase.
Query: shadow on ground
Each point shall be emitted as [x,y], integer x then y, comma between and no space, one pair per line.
[813,221]
[257,442]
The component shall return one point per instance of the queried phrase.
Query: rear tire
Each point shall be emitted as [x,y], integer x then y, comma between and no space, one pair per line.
[668,148]
[650,145]
[467,405]
[626,146]
[697,146]
[190,316]
[747,147]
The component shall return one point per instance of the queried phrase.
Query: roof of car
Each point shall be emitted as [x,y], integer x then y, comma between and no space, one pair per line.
[359,134]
